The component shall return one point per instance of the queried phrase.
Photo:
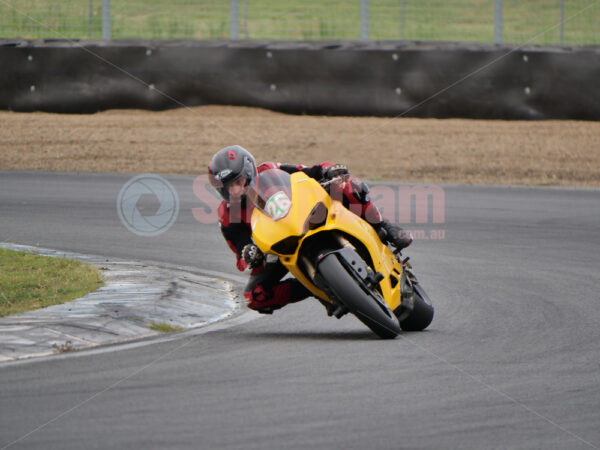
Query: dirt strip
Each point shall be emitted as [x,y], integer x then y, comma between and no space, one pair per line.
[562,153]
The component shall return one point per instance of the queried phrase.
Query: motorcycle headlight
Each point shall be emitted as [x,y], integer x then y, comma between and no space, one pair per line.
[317,217]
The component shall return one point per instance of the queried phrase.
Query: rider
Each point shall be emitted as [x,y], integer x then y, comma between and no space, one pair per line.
[230,171]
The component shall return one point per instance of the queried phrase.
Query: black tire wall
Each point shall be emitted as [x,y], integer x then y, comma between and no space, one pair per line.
[337,78]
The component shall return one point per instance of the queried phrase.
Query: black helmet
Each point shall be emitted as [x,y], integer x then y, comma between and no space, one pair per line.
[227,165]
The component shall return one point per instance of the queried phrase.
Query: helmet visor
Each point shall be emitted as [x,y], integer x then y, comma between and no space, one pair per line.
[222,178]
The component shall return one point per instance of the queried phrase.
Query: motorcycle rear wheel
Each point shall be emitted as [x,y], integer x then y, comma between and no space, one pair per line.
[422,313]
[351,291]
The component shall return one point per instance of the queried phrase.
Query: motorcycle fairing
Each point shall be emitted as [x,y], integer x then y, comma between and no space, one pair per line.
[286,236]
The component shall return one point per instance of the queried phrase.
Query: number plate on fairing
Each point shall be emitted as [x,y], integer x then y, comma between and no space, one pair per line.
[278,205]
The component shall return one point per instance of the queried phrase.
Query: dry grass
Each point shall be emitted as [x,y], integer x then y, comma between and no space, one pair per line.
[411,150]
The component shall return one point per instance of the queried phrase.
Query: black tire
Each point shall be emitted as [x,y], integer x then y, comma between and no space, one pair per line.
[348,290]
[422,314]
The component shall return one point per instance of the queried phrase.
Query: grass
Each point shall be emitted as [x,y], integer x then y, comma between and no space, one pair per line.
[29,281]
[164,327]
[456,20]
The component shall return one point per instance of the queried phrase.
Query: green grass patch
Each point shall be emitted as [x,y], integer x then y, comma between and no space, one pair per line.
[531,21]
[29,281]
[164,327]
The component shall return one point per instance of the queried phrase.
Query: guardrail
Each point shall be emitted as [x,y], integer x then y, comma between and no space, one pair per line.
[343,78]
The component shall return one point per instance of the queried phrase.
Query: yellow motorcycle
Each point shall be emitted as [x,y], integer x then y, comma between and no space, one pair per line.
[334,253]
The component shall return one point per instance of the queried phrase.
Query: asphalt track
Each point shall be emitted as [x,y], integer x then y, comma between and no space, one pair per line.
[510,361]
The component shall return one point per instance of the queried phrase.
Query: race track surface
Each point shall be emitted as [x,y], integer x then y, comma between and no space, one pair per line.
[510,360]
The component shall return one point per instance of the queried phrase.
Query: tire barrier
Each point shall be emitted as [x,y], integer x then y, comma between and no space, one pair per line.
[412,79]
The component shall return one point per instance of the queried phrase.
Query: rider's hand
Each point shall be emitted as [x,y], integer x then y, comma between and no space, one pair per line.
[337,170]
[252,255]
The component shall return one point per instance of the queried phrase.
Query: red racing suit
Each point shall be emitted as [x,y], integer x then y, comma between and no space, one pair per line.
[265,290]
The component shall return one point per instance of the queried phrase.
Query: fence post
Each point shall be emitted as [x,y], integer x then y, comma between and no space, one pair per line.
[562,22]
[364,19]
[105,19]
[401,21]
[91,19]
[234,19]
[498,22]
[245,22]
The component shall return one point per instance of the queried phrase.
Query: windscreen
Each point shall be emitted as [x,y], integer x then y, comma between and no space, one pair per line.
[271,193]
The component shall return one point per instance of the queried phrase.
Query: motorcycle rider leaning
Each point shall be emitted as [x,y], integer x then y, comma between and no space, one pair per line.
[231,170]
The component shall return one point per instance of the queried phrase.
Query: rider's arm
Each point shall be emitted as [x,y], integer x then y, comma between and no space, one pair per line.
[237,234]
[315,171]
[352,193]
[356,198]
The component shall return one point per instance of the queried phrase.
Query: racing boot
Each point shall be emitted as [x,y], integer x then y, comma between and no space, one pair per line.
[393,234]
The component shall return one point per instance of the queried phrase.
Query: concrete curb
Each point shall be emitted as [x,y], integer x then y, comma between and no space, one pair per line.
[134,296]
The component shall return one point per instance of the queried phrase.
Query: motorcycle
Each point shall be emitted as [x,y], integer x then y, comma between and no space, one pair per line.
[336,254]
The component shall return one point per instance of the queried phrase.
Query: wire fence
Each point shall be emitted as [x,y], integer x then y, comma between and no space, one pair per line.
[543,22]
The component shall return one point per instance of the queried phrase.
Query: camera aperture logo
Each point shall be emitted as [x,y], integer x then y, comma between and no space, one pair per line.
[148,205]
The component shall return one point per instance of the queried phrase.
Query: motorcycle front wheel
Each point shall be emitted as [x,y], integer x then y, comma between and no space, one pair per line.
[357,297]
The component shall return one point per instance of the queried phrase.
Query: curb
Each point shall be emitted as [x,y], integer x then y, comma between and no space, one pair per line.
[134,296]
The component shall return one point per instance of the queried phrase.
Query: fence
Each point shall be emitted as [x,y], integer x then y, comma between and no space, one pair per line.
[543,22]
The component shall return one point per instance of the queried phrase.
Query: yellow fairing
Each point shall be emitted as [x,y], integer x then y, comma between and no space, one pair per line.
[306,193]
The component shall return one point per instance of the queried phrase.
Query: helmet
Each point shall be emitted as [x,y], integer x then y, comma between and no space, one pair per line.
[227,165]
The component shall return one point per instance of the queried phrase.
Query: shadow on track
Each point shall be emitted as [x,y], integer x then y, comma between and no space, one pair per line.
[366,335]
